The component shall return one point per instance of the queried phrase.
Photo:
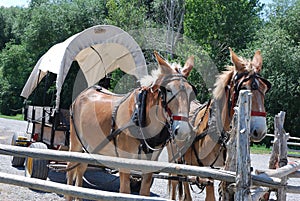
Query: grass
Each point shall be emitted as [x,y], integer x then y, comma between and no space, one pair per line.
[260,149]
[17,117]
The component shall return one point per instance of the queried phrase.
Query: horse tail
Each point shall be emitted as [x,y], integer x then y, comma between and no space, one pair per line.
[180,190]
[172,187]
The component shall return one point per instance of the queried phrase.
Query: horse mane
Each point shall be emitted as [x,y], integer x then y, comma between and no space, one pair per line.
[224,78]
[222,81]
[149,80]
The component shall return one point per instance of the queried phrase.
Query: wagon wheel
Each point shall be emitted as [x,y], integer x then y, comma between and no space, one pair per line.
[36,168]
[17,161]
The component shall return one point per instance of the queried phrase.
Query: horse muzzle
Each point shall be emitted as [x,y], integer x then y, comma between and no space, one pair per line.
[258,128]
[182,131]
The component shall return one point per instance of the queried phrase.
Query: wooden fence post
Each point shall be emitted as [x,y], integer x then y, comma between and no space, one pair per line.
[283,137]
[243,172]
[243,158]
[226,192]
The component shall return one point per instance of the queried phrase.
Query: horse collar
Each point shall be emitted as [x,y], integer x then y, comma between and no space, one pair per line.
[139,114]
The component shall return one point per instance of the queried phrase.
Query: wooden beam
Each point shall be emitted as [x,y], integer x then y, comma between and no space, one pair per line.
[283,138]
[281,172]
[295,174]
[132,164]
[258,193]
[64,189]
[243,172]
[115,162]
[293,189]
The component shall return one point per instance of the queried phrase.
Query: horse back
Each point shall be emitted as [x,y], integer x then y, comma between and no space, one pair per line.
[92,116]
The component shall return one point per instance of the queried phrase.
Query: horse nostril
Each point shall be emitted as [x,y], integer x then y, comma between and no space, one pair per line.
[255,134]
[176,130]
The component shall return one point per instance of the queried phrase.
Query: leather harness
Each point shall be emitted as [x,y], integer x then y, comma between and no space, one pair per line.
[138,119]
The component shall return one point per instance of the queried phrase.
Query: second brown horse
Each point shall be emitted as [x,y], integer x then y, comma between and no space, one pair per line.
[209,147]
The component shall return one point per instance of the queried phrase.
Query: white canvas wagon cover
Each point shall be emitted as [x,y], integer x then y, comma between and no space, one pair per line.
[98,50]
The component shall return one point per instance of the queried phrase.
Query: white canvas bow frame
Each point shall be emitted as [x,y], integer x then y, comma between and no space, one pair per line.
[98,50]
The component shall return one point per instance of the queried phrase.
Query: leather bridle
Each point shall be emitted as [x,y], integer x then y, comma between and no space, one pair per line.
[163,93]
[238,81]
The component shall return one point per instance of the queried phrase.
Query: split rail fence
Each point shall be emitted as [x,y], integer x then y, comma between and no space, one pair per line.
[265,180]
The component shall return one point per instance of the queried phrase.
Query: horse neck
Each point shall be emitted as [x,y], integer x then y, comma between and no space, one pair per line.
[224,112]
[155,116]
[152,119]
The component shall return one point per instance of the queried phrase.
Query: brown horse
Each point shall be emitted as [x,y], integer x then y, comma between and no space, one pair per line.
[212,120]
[136,125]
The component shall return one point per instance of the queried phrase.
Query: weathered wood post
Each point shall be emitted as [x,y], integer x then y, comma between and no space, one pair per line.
[226,191]
[283,137]
[278,156]
[243,166]
[238,153]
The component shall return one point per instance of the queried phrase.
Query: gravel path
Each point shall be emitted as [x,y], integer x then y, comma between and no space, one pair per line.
[16,193]
[106,181]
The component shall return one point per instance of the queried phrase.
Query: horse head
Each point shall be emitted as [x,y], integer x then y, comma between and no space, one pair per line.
[175,95]
[247,76]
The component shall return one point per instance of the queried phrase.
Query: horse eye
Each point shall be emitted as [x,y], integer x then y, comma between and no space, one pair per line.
[169,90]
[254,85]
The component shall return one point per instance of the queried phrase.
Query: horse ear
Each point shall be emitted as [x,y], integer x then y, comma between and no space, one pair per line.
[236,60]
[164,66]
[188,66]
[257,61]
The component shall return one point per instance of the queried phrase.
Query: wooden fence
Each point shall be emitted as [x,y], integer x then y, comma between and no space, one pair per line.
[242,178]
[238,159]
[278,164]
[295,143]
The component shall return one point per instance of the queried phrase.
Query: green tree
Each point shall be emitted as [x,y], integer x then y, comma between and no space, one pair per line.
[127,15]
[13,76]
[53,22]
[7,23]
[219,24]
[281,54]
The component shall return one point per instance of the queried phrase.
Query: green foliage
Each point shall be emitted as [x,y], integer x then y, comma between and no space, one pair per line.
[128,15]
[13,76]
[286,14]
[219,24]
[52,22]
[281,63]
[7,25]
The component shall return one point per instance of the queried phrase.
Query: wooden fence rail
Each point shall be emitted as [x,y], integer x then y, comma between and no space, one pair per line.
[131,164]
[74,191]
